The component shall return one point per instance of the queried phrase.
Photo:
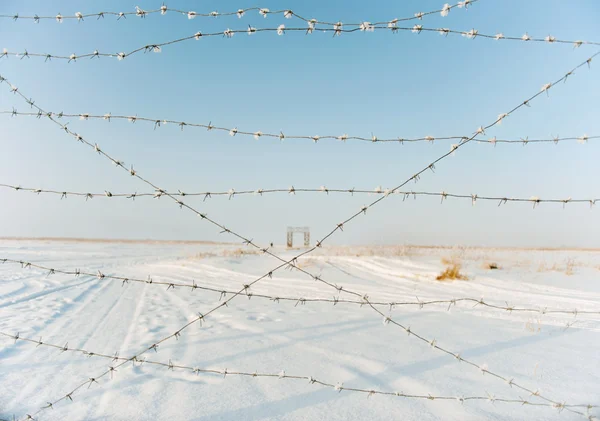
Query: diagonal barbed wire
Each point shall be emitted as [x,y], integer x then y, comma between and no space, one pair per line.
[190,14]
[231,193]
[170,285]
[339,387]
[281,30]
[281,136]
[339,226]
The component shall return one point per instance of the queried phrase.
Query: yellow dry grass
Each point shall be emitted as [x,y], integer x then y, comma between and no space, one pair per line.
[569,267]
[452,273]
[235,253]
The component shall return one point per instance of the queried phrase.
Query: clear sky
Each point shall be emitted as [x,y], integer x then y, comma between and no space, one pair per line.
[391,85]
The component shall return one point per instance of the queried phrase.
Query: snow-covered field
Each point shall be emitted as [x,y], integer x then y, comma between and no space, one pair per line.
[349,344]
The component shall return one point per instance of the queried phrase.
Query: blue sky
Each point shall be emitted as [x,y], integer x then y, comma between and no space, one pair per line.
[387,84]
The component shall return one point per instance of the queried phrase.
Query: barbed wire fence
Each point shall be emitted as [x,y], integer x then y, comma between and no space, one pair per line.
[339,386]
[193,286]
[240,13]
[291,262]
[231,193]
[337,30]
[281,136]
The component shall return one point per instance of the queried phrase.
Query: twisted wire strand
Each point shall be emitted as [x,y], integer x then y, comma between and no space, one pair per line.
[231,193]
[287,13]
[281,29]
[339,226]
[300,300]
[281,136]
[339,387]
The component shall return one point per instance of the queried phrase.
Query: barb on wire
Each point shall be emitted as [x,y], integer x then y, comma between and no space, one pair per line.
[190,14]
[159,122]
[280,30]
[191,287]
[260,192]
[338,387]
[287,263]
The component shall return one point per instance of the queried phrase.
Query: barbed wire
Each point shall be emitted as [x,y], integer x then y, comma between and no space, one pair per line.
[299,300]
[190,14]
[339,387]
[481,129]
[281,30]
[281,136]
[339,226]
[535,200]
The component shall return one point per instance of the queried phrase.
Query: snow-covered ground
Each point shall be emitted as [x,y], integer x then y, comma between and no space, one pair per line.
[349,344]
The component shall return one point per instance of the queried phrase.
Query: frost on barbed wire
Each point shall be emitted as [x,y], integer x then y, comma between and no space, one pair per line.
[583,139]
[292,190]
[159,122]
[193,286]
[337,29]
[287,13]
[338,387]
[445,10]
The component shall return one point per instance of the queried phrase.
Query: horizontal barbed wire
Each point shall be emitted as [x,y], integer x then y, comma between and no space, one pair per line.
[298,300]
[339,226]
[339,387]
[229,33]
[287,13]
[292,190]
[281,136]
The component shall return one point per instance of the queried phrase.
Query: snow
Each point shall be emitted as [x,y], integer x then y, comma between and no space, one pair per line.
[344,344]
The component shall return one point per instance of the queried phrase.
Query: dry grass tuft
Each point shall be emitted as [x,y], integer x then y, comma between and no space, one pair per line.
[306,262]
[569,267]
[452,272]
[204,255]
[370,251]
[237,253]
